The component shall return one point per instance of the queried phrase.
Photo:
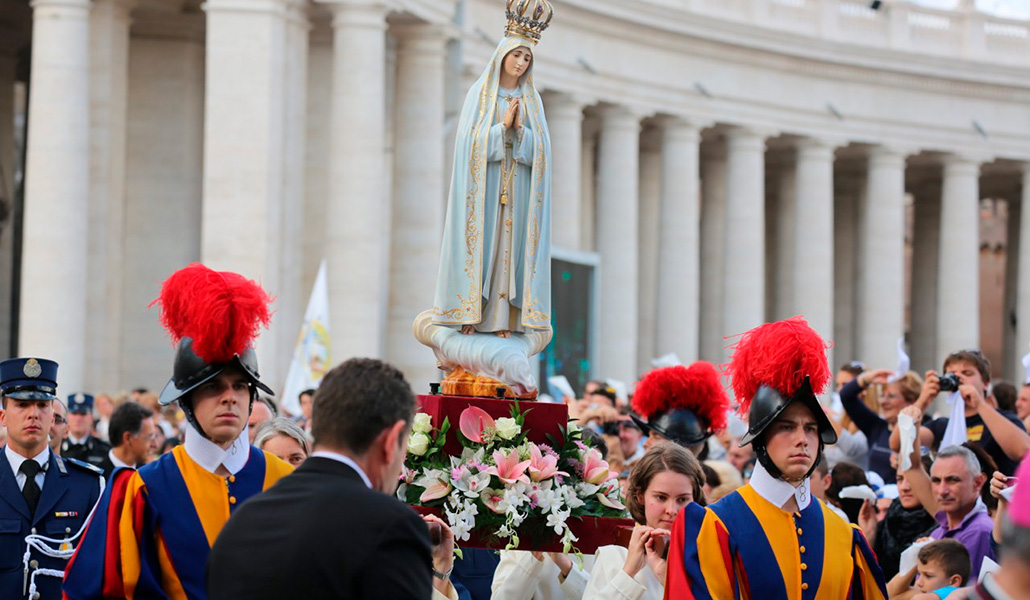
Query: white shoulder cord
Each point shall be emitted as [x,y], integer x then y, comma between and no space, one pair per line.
[40,542]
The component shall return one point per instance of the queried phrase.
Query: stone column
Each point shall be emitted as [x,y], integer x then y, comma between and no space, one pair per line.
[244,136]
[1023,283]
[881,289]
[926,232]
[679,275]
[588,185]
[617,218]
[713,252]
[419,193]
[358,237]
[56,227]
[958,263]
[812,273]
[744,284]
[108,86]
[565,122]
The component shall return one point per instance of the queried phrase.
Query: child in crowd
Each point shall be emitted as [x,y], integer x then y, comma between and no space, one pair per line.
[943,566]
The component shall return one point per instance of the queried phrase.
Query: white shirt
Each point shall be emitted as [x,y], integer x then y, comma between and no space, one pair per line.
[609,582]
[778,491]
[76,441]
[116,461]
[345,460]
[209,455]
[15,459]
[520,576]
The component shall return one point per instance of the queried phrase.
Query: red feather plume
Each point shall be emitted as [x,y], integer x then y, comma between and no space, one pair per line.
[221,311]
[779,355]
[696,388]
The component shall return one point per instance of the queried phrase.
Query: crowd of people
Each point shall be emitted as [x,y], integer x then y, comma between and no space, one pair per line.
[197,491]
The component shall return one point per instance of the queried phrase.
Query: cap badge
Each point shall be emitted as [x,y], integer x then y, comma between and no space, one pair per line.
[32,368]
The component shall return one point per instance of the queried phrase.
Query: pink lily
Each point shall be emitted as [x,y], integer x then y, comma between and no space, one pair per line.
[595,469]
[473,421]
[542,466]
[509,469]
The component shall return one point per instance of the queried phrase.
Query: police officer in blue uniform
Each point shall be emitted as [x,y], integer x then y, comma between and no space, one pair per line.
[81,444]
[44,499]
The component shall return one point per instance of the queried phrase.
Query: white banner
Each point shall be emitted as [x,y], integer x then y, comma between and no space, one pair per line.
[312,357]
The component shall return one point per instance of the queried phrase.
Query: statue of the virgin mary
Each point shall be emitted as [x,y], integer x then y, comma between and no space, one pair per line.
[495,274]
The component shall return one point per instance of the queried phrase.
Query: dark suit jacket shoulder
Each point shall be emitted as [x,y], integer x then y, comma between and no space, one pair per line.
[321,533]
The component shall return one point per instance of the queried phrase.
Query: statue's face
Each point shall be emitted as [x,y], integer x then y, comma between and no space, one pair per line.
[517,62]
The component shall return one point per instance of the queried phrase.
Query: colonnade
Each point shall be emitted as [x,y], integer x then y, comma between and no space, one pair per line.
[300,150]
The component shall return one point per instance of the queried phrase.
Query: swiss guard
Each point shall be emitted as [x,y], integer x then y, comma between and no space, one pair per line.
[771,539]
[44,499]
[81,444]
[153,528]
[681,404]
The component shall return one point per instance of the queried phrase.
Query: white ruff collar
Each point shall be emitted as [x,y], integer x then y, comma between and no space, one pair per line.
[778,491]
[207,454]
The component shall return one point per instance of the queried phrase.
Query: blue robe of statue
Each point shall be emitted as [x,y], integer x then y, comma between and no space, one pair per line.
[495,258]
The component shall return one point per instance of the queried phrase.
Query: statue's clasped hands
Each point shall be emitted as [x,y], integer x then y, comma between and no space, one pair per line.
[513,116]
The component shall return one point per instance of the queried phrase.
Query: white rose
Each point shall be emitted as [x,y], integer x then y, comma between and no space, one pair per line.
[423,423]
[418,443]
[507,428]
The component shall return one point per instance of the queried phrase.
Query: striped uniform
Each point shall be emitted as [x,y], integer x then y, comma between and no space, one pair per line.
[153,530]
[745,547]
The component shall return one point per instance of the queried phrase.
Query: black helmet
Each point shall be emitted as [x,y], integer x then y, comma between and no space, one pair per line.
[190,371]
[682,404]
[767,404]
[680,425]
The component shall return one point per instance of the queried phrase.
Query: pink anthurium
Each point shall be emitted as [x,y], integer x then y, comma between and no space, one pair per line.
[595,469]
[609,502]
[542,466]
[473,422]
[508,468]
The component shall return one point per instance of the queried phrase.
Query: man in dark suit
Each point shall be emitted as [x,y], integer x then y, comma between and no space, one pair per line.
[333,528]
[41,494]
[133,438]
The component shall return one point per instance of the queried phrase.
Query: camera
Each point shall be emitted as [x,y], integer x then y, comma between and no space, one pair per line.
[610,428]
[949,383]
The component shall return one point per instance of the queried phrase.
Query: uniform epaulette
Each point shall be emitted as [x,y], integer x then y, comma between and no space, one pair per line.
[85,466]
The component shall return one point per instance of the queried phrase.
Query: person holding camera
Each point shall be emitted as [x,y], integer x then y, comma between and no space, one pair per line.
[1000,433]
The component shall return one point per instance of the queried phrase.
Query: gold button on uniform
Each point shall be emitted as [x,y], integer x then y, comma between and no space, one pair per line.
[232,479]
[802,549]
[804,586]
[799,531]
[232,499]
[804,567]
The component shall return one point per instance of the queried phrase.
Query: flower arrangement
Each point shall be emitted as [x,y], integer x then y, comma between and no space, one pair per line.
[504,484]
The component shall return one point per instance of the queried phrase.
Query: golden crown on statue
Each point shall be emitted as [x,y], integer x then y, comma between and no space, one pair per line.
[528,18]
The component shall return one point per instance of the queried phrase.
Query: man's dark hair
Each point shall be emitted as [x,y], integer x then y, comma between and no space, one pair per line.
[307,392]
[973,357]
[842,475]
[854,367]
[126,418]
[356,401]
[1005,393]
[950,554]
